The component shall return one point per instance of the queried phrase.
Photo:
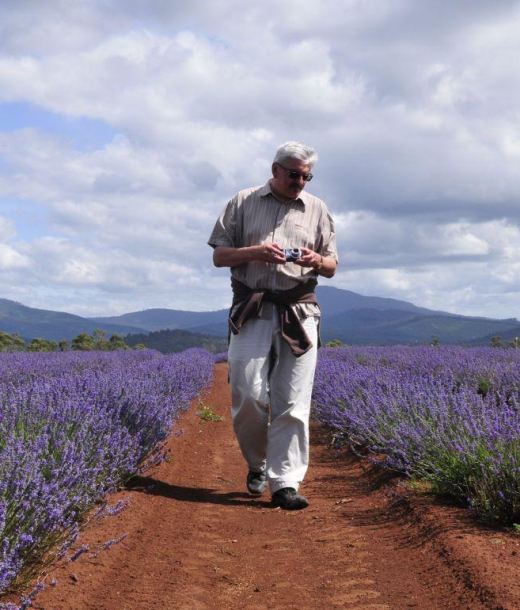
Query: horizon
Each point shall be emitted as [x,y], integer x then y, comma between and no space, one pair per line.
[115,315]
[125,128]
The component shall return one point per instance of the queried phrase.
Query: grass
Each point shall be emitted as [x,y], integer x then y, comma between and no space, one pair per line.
[206,413]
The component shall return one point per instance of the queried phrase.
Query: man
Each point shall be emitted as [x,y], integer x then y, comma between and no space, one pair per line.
[274,318]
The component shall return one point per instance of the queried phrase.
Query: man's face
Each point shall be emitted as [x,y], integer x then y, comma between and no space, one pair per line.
[288,177]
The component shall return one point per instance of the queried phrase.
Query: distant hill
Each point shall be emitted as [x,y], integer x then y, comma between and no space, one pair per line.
[160,319]
[346,315]
[55,325]
[168,341]
[332,301]
[506,336]
[369,326]
[335,300]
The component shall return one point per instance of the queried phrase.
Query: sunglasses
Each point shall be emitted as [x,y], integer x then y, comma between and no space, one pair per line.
[294,174]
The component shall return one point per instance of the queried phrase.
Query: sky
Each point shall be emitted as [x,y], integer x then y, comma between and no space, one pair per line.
[126,126]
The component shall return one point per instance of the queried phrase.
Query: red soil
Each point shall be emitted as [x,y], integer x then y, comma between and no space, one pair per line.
[196,540]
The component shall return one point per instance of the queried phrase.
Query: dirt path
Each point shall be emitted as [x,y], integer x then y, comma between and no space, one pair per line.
[195,540]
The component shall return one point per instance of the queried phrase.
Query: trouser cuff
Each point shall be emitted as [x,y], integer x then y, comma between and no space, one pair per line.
[276,484]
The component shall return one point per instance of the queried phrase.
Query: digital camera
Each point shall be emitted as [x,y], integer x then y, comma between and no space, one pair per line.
[292,254]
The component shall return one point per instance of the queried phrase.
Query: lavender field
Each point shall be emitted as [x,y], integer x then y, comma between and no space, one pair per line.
[74,426]
[449,416]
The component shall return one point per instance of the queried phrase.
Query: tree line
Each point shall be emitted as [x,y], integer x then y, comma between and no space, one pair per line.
[165,341]
[98,340]
[170,340]
[497,341]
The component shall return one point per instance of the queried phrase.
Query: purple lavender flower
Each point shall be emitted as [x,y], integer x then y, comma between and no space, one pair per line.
[77,554]
[73,426]
[449,415]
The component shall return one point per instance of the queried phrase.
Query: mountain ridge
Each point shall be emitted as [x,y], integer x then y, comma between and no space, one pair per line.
[351,317]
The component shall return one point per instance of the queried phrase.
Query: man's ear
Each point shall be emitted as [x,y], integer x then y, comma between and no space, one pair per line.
[274,169]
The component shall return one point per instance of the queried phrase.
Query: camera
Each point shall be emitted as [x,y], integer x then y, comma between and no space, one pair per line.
[292,254]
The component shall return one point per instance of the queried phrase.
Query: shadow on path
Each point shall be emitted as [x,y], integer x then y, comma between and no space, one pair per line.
[155,487]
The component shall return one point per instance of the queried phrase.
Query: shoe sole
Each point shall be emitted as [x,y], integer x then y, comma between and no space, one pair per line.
[296,505]
[256,492]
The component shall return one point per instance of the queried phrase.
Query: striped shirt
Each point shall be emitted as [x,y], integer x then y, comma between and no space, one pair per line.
[255,216]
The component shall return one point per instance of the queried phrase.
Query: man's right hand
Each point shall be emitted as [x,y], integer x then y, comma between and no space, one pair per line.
[270,253]
[224,256]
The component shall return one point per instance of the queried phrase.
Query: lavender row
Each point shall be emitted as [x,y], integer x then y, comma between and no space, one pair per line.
[74,426]
[447,415]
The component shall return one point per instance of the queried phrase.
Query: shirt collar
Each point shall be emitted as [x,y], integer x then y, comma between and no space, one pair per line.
[267,190]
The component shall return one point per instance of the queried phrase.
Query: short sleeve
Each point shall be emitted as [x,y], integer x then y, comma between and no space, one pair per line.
[225,231]
[328,247]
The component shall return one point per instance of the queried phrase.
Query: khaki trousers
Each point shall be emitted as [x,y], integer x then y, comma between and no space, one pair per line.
[271,398]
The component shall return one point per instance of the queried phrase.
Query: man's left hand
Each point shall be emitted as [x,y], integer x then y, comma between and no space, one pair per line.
[309,258]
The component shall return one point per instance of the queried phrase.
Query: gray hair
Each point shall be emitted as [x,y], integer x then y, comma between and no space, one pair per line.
[296,150]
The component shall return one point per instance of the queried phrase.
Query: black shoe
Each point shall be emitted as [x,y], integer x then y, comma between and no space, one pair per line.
[256,482]
[289,499]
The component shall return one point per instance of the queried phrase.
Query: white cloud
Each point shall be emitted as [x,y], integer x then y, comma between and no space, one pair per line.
[413,112]
[462,267]
[7,229]
[11,259]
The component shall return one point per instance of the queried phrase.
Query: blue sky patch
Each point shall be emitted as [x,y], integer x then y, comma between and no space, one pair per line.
[29,218]
[83,132]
